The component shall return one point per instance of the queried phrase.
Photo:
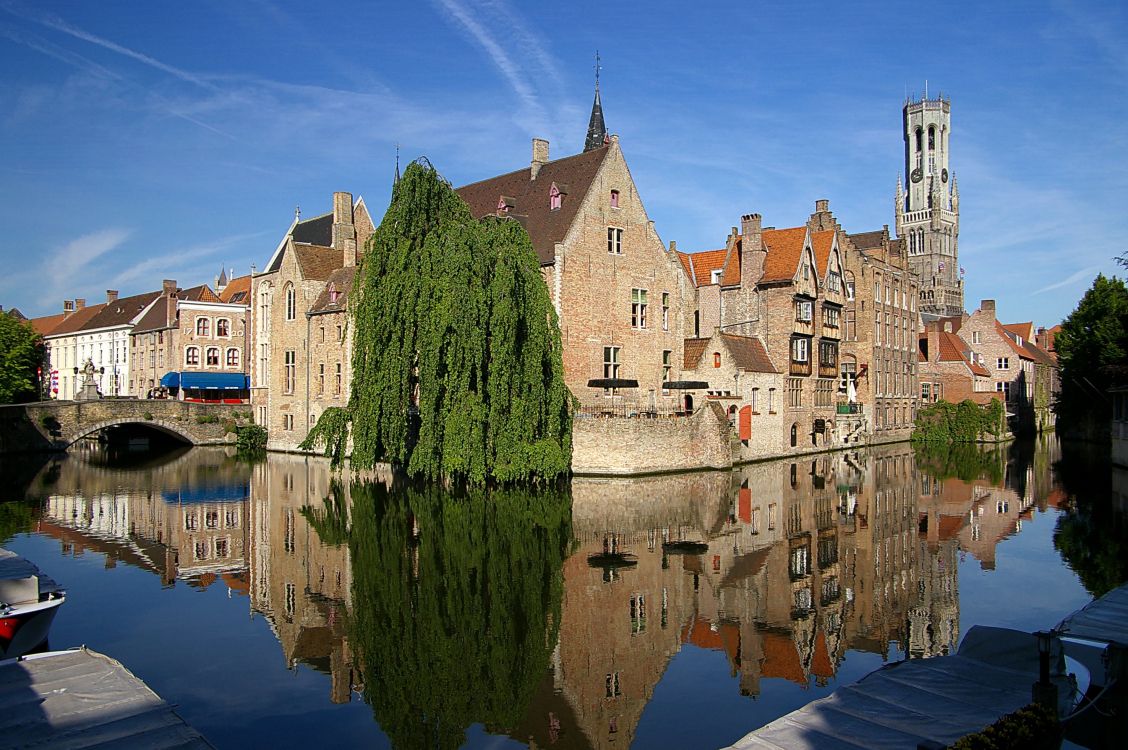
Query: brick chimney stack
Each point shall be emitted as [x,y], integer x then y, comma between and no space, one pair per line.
[79,303]
[344,233]
[988,305]
[168,290]
[111,296]
[540,156]
[68,308]
[752,253]
[933,342]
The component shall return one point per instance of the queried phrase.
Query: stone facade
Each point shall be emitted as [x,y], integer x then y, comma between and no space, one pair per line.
[927,209]
[618,291]
[288,316]
[880,358]
[949,370]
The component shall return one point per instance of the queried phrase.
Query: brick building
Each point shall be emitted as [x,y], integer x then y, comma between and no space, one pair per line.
[193,343]
[301,294]
[618,292]
[783,288]
[948,369]
[880,358]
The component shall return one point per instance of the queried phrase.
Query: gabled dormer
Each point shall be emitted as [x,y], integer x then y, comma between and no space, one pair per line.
[506,204]
[556,195]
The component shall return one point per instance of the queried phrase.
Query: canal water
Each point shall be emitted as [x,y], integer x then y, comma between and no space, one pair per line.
[276,604]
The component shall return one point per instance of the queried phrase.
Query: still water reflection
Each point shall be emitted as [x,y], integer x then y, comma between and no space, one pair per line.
[677,611]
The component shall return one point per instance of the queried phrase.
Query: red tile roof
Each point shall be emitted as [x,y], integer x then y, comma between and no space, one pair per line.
[47,323]
[1025,330]
[572,175]
[342,281]
[1021,351]
[784,249]
[781,659]
[235,287]
[76,320]
[821,243]
[749,353]
[692,349]
[821,665]
[700,265]
[952,349]
[316,262]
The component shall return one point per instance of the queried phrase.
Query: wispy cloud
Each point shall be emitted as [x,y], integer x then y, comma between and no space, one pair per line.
[71,265]
[1083,275]
[183,263]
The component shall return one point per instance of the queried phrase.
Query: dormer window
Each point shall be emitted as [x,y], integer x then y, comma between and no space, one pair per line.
[333,294]
[505,204]
[614,199]
[555,198]
[715,276]
[716,359]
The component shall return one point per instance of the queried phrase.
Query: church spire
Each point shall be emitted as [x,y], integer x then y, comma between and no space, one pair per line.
[397,179]
[597,131]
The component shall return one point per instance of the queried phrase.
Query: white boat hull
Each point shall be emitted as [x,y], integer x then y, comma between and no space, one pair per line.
[32,624]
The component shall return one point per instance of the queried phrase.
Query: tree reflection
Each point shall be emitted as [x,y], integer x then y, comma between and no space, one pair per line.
[965,461]
[1092,535]
[456,603]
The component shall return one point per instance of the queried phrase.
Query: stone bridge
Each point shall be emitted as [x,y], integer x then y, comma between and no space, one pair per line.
[56,425]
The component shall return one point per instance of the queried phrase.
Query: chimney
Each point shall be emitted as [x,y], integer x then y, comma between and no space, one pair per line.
[540,157]
[933,342]
[822,206]
[947,326]
[68,308]
[168,290]
[988,305]
[79,303]
[344,233]
[752,252]
[111,296]
[673,246]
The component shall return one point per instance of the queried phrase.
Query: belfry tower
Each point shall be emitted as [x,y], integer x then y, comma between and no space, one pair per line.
[928,206]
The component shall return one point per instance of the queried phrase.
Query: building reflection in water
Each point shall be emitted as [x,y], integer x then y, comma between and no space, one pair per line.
[783,567]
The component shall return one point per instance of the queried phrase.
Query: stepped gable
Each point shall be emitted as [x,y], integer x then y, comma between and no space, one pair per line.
[784,248]
[529,202]
[340,281]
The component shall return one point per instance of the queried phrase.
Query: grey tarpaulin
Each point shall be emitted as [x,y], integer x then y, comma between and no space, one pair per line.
[13,567]
[910,702]
[1104,619]
[82,699]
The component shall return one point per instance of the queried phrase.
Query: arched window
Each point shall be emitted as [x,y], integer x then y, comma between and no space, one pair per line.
[203,326]
[931,137]
[232,357]
[291,302]
[213,356]
[794,434]
[223,327]
[192,356]
[918,139]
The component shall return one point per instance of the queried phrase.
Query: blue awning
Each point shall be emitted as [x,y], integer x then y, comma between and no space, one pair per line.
[171,380]
[229,381]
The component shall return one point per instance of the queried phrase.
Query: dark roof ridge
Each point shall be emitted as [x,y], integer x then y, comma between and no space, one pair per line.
[526,169]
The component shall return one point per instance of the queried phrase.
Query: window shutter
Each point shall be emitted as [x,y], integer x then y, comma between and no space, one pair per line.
[744,505]
[745,423]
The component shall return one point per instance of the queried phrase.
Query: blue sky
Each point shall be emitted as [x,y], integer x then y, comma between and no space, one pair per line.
[150,140]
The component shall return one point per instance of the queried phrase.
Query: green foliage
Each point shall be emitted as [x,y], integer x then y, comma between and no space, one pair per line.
[207,419]
[229,425]
[16,517]
[965,461]
[965,422]
[148,416]
[21,354]
[1033,726]
[457,368]
[1093,337]
[1091,535]
[250,438]
[456,603]
[331,432]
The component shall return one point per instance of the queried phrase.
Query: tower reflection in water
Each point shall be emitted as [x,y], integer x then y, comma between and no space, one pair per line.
[553,619]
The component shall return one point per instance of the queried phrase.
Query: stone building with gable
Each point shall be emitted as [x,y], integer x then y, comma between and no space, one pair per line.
[785,289]
[292,300]
[949,370]
[618,292]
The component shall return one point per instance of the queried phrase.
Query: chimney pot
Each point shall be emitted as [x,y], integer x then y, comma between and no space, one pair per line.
[79,303]
[673,246]
[168,287]
[822,205]
[111,295]
[987,305]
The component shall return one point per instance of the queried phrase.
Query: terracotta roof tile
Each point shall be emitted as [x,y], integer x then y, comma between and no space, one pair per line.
[1010,339]
[77,320]
[749,353]
[317,262]
[703,263]
[821,665]
[47,323]
[781,658]
[545,226]
[821,243]
[785,247]
[1025,330]
[236,287]
[952,349]
[692,351]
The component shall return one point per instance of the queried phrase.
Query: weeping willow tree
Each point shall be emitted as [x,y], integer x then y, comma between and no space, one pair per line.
[456,603]
[457,368]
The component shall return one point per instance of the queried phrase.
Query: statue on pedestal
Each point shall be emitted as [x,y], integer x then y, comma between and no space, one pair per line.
[88,390]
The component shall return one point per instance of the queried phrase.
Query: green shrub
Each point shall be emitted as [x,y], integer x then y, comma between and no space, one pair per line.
[148,416]
[207,419]
[250,438]
[965,422]
[229,426]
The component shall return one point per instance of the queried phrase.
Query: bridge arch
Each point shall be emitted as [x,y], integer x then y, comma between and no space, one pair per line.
[169,428]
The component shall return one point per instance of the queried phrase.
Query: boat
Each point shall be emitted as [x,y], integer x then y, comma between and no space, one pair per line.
[29,601]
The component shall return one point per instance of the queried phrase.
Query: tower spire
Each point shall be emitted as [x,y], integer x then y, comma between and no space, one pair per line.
[597,130]
[397,179]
